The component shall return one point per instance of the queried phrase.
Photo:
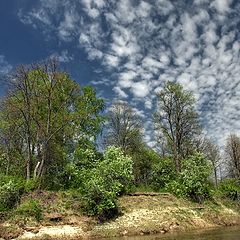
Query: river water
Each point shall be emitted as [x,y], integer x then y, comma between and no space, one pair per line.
[227,233]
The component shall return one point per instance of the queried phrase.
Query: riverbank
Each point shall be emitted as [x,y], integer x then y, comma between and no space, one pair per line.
[141,214]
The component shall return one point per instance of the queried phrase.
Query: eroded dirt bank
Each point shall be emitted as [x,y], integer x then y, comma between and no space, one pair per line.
[142,214]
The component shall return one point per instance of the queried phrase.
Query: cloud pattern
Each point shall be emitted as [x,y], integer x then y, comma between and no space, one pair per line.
[142,44]
[5,67]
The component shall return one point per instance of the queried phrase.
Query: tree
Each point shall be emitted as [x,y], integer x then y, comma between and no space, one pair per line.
[163,172]
[43,114]
[124,127]
[232,151]
[144,158]
[177,120]
[212,153]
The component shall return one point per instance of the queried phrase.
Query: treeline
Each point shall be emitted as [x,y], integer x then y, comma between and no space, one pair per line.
[50,126]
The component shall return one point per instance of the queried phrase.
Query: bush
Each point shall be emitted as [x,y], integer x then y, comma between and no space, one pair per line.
[31,208]
[103,184]
[176,187]
[18,181]
[163,173]
[230,188]
[98,199]
[31,185]
[116,169]
[10,193]
[192,181]
[76,172]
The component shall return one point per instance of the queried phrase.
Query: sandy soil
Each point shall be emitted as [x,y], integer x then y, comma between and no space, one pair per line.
[141,215]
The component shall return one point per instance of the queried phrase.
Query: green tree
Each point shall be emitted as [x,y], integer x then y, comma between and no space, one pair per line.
[124,127]
[177,121]
[144,158]
[44,115]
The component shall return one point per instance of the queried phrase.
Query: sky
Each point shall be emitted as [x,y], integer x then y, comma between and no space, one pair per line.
[128,49]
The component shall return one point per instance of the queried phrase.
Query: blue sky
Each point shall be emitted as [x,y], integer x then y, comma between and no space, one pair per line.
[128,49]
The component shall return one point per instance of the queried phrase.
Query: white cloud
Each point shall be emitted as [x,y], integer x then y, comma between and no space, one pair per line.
[126,79]
[64,56]
[186,80]
[189,28]
[142,44]
[143,9]
[124,11]
[222,6]
[68,26]
[140,89]
[111,60]
[5,67]
[164,7]
[121,94]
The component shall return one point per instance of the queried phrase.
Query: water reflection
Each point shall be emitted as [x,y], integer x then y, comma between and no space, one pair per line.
[230,233]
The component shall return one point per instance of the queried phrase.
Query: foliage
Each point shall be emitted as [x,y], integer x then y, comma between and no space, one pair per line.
[193,181]
[212,152]
[142,188]
[163,173]
[232,154]
[43,117]
[176,187]
[79,171]
[143,160]
[30,208]
[111,177]
[10,192]
[176,121]
[31,185]
[230,188]
[86,156]
[124,127]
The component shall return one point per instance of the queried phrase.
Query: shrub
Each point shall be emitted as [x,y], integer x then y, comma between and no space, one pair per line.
[192,181]
[230,188]
[76,172]
[163,173]
[143,160]
[110,178]
[195,178]
[98,199]
[18,181]
[31,185]
[175,187]
[31,208]
[116,169]
[10,193]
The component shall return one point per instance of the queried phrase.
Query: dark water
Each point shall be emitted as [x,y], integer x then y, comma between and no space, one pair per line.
[227,233]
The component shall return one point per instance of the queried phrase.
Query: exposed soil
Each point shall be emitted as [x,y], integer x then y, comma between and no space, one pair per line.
[142,213]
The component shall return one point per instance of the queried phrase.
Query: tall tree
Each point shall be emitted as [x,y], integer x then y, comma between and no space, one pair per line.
[212,153]
[124,127]
[45,110]
[232,151]
[177,120]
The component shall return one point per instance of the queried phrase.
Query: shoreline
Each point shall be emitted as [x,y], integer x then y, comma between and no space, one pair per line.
[141,215]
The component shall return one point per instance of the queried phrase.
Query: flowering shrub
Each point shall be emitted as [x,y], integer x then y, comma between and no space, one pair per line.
[110,178]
